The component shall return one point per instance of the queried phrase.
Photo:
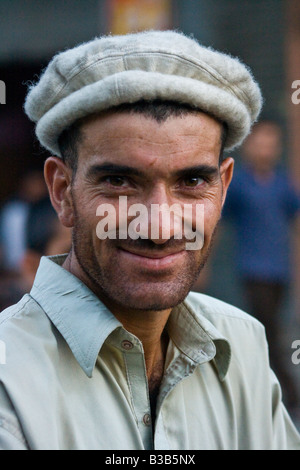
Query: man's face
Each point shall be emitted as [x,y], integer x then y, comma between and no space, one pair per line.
[130,155]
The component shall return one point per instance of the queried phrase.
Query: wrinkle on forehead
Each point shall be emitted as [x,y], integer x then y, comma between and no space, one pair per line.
[130,136]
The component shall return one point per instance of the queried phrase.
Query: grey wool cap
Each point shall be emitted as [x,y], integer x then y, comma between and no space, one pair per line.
[166,65]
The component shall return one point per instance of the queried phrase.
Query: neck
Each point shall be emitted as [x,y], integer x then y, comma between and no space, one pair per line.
[147,326]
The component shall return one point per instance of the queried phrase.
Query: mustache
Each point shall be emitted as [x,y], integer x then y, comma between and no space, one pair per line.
[150,245]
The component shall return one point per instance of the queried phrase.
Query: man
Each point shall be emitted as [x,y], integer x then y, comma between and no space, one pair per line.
[109,350]
[263,206]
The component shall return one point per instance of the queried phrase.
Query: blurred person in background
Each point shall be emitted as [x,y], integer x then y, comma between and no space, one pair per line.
[13,216]
[11,288]
[263,205]
[44,236]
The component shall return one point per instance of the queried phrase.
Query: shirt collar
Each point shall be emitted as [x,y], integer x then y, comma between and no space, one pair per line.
[85,322]
[198,338]
[80,317]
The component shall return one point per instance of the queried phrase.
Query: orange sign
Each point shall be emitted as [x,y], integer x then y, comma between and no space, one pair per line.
[138,15]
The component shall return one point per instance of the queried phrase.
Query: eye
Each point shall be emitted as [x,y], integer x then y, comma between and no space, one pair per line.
[193,181]
[115,180]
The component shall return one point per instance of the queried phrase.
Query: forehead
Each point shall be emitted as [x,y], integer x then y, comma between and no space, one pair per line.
[124,137]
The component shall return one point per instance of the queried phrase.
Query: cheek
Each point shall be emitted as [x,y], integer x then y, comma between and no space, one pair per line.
[86,220]
[212,214]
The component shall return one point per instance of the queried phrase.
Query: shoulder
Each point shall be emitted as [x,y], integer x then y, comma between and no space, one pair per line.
[231,322]
[244,334]
[18,310]
[216,308]
[23,327]
[22,317]
[283,180]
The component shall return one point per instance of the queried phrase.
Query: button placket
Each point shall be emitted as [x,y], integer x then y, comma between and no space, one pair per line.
[147,419]
[138,386]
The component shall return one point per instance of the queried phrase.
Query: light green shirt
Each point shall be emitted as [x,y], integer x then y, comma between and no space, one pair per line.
[74,378]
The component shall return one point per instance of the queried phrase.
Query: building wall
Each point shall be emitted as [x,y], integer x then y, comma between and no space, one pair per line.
[253,30]
[35,29]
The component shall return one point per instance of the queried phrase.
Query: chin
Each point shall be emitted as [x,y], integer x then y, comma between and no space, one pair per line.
[152,299]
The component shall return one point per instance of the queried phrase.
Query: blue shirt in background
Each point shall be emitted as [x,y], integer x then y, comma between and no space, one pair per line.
[262,212]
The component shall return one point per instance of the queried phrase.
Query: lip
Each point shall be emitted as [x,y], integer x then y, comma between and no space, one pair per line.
[154,261]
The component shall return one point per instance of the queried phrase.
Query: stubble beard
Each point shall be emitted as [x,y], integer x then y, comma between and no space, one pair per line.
[111,286]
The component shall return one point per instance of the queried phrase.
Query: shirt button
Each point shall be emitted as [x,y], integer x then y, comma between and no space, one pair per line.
[127,345]
[147,419]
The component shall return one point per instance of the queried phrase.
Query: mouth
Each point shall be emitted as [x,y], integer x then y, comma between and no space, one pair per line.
[153,261]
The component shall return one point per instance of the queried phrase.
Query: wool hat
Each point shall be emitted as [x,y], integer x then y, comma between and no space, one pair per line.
[166,65]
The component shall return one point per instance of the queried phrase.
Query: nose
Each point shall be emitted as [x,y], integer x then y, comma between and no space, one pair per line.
[164,216]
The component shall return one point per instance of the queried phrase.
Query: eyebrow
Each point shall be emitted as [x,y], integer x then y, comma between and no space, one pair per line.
[204,170]
[112,168]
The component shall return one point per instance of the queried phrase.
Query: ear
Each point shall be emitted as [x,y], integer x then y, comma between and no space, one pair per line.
[58,178]
[226,171]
